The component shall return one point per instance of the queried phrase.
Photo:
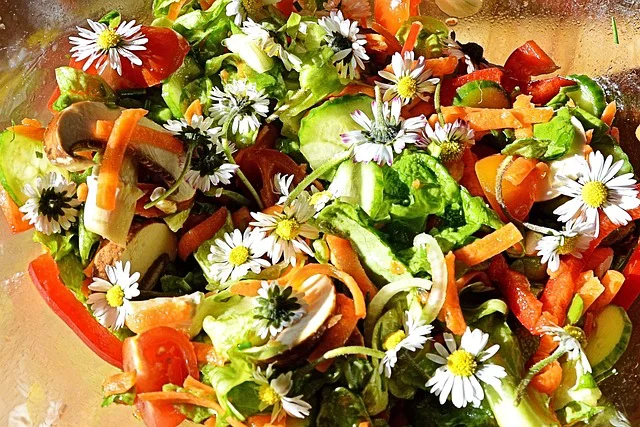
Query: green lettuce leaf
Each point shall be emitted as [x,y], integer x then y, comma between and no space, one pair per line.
[59,244]
[342,408]
[76,86]
[225,378]
[560,131]
[127,398]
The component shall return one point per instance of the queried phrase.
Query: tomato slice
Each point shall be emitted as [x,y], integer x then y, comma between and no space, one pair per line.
[45,276]
[160,356]
[159,414]
[165,53]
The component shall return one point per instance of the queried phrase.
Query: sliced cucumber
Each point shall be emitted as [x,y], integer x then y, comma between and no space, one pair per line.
[482,94]
[22,160]
[362,184]
[589,121]
[609,339]
[588,95]
[320,130]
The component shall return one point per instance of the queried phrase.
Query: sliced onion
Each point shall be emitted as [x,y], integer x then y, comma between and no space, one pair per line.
[438,276]
[459,8]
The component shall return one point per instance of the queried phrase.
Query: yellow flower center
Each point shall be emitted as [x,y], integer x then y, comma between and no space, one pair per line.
[108,39]
[451,151]
[568,245]
[462,363]
[594,194]
[115,296]
[394,339]
[577,333]
[316,197]
[407,87]
[239,255]
[288,229]
[268,395]
[252,6]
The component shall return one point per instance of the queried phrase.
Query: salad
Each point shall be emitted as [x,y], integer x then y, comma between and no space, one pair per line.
[299,213]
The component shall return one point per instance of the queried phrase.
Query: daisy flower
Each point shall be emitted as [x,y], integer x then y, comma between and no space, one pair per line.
[448,141]
[103,45]
[572,240]
[409,79]
[240,9]
[242,102]
[355,10]
[453,48]
[200,131]
[320,199]
[412,337]
[51,205]
[259,34]
[569,341]
[282,186]
[278,307]
[342,36]
[383,135]
[209,167]
[463,367]
[598,188]
[274,392]
[236,254]
[286,232]
[110,299]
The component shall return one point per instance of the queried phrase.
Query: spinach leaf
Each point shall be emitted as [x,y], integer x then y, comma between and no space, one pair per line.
[342,408]
[425,410]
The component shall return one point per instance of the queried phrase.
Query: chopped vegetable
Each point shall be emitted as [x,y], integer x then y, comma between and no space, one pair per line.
[202,232]
[344,258]
[142,134]
[612,282]
[451,312]
[489,246]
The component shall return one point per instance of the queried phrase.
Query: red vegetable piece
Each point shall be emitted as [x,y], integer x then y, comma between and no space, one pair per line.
[559,291]
[630,289]
[45,276]
[544,90]
[449,86]
[529,60]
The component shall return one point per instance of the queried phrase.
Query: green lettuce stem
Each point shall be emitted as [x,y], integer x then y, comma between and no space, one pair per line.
[436,103]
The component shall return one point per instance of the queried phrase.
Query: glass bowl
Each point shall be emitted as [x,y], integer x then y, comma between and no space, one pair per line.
[45,362]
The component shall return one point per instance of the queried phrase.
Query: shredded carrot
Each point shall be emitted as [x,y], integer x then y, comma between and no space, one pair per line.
[28,130]
[273,209]
[246,288]
[589,135]
[180,397]
[206,4]
[589,288]
[194,109]
[109,175]
[609,113]
[356,89]
[88,271]
[174,9]
[612,282]
[519,170]
[490,245]
[82,192]
[451,312]
[412,37]
[441,66]
[549,379]
[142,135]
[12,213]
[482,119]
[337,335]
[345,258]
[329,270]
[192,239]
[476,276]
[289,272]
[264,420]
[525,132]
[392,41]
[523,102]
[191,383]
[119,383]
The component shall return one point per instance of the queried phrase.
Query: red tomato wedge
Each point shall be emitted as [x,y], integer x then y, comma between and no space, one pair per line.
[159,414]
[529,60]
[45,276]
[160,356]
[165,53]
[630,289]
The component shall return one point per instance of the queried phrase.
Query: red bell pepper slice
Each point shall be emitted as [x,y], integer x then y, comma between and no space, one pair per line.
[12,213]
[449,86]
[542,91]
[192,239]
[529,60]
[559,291]
[630,289]
[46,277]
[516,290]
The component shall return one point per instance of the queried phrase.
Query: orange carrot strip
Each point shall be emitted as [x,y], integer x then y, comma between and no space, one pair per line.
[264,420]
[609,113]
[142,135]
[194,109]
[28,131]
[612,282]
[519,170]
[193,384]
[202,232]
[329,270]
[589,288]
[289,272]
[246,288]
[338,334]
[525,132]
[174,9]
[442,66]
[392,41]
[119,383]
[589,135]
[12,213]
[205,353]
[357,89]
[478,276]
[82,192]
[549,379]
[109,175]
[451,312]
[179,397]
[31,122]
[346,259]
[489,246]
[412,37]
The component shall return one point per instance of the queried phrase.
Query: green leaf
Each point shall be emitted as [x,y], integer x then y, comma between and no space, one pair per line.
[59,245]
[72,274]
[530,148]
[76,86]
[86,240]
[127,398]
[608,146]
[111,19]
[342,408]
[560,131]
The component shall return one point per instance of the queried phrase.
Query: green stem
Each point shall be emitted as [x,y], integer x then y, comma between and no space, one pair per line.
[354,349]
[317,173]
[538,228]
[436,103]
[241,175]
[534,370]
[176,183]
[236,197]
[502,169]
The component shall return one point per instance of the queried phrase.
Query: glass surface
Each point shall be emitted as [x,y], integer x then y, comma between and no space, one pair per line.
[43,360]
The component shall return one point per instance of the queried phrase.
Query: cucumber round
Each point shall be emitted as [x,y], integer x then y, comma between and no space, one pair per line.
[609,339]
[362,184]
[320,130]
[587,95]
[22,160]
[482,94]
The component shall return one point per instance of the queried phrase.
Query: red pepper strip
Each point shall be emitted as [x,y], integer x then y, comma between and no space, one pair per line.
[202,232]
[45,276]
[449,86]
[630,289]
[517,292]
[559,291]
[529,60]
[542,91]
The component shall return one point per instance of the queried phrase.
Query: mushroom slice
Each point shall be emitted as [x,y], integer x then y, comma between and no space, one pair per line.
[149,248]
[73,130]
